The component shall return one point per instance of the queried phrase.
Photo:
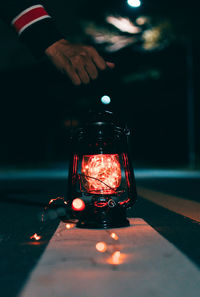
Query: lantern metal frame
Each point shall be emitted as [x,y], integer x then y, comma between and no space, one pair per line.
[101,135]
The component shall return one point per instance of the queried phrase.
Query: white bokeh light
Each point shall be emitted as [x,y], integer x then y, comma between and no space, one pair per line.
[105,99]
[134,3]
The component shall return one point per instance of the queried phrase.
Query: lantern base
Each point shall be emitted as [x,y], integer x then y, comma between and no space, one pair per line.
[103,219]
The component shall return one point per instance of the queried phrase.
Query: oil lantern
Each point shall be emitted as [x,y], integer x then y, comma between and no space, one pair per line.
[101,179]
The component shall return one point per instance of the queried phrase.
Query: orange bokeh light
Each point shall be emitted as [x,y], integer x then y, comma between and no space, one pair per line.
[78,204]
[55,199]
[114,236]
[115,258]
[102,173]
[35,236]
[69,226]
[101,247]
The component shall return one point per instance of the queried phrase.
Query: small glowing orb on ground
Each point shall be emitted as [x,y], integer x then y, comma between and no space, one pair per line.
[115,258]
[78,204]
[134,3]
[69,226]
[101,173]
[101,247]
[35,236]
[105,99]
[114,236]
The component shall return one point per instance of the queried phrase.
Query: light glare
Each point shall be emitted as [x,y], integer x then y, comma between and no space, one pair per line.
[134,3]
[105,99]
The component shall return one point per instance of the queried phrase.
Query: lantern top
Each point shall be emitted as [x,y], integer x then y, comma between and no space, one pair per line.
[103,117]
[101,133]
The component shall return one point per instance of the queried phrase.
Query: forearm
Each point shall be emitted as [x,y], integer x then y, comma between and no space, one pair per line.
[36,28]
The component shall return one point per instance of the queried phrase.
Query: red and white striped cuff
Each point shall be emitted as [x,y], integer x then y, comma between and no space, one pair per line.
[28,17]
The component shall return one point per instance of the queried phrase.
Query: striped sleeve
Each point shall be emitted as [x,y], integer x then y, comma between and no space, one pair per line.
[28,17]
[33,24]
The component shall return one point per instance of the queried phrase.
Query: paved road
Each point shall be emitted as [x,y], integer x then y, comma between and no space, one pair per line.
[23,198]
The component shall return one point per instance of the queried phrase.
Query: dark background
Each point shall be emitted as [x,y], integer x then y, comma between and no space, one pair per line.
[156,90]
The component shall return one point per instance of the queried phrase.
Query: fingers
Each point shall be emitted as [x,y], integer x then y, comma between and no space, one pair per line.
[83,75]
[97,59]
[84,67]
[90,68]
[84,71]
[69,70]
[80,63]
[75,78]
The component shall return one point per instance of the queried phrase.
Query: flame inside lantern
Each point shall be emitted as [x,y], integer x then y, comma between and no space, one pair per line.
[101,173]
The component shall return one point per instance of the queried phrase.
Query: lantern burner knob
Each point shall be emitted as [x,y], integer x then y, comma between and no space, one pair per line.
[98,218]
[111,203]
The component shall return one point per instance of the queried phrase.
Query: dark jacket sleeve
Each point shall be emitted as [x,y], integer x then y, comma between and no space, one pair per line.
[31,21]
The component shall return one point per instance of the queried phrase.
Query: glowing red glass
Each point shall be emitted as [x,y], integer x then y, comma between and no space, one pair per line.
[101,173]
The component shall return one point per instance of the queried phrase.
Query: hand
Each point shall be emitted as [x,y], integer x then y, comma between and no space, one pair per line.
[81,63]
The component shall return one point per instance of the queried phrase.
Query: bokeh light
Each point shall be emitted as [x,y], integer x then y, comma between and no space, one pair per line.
[105,99]
[69,226]
[115,258]
[101,247]
[142,20]
[114,236]
[78,204]
[134,3]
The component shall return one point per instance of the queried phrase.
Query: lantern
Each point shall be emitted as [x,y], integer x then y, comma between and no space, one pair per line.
[101,180]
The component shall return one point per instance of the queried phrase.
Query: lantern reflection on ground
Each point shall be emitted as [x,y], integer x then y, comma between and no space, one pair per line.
[116,258]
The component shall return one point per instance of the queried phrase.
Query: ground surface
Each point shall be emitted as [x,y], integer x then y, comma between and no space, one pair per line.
[23,196]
